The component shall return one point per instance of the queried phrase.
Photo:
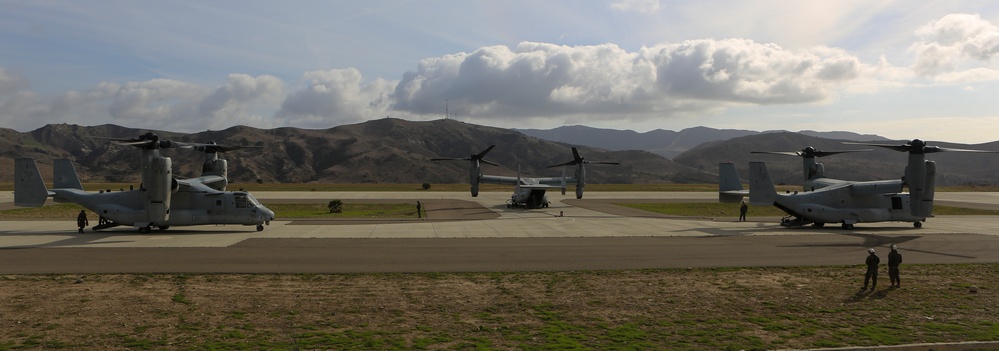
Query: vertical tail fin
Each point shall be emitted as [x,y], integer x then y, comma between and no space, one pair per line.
[761,187]
[29,188]
[729,185]
[65,175]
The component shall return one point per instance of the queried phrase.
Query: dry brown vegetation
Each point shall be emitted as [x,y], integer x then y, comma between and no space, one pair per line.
[746,308]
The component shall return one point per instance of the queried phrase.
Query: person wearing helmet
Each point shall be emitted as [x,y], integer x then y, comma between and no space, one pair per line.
[894,259]
[872,269]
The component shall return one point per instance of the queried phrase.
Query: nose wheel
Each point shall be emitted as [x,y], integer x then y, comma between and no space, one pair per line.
[260,227]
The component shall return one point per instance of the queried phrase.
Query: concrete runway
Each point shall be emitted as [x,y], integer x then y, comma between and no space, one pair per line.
[465,234]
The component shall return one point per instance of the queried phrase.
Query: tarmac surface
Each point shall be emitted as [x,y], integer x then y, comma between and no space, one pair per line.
[466,234]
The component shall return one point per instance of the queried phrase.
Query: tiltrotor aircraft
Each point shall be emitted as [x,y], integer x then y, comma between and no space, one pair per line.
[846,202]
[527,192]
[161,201]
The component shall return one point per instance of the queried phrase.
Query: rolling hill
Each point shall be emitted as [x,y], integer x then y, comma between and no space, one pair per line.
[378,151]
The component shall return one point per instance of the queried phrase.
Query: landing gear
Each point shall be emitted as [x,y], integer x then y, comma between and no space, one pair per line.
[847,226]
[819,224]
[917,224]
[144,230]
[164,227]
[260,227]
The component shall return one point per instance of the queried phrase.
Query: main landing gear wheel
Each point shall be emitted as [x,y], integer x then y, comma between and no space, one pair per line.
[917,224]
[847,226]
[164,227]
[144,230]
[260,227]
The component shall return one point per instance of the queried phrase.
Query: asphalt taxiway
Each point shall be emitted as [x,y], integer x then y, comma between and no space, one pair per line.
[462,233]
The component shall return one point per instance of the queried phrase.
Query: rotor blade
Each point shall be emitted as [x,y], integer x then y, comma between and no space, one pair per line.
[603,162]
[488,162]
[932,149]
[575,155]
[896,147]
[448,159]
[786,153]
[830,153]
[570,163]
[484,152]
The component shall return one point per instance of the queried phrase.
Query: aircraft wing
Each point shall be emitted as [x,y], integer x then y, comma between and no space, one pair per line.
[732,196]
[539,186]
[199,184]
[490,179]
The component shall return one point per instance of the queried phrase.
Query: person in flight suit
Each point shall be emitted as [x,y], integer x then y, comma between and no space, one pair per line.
[81,220]
[894,259]
[872,269]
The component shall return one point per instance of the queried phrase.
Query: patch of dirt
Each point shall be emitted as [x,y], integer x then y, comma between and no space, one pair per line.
[758,308]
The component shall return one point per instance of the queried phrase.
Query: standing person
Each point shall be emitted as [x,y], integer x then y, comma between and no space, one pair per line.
[81,220]
[742,211]
[872,269]
[419,207]
[894,259]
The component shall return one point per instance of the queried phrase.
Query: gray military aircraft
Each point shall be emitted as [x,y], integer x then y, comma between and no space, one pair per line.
[813,172]
[161,200]
[528,192]
[847,202]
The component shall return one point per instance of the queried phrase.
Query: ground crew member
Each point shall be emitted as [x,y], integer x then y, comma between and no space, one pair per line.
[872,269]
[894,259]
[742,211]
[81,220]
[419,207]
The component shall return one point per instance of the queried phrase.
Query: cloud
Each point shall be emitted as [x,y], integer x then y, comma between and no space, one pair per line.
[335,97]
[11,83]
[539,79]
[948,44]
[155,104]
[642,6]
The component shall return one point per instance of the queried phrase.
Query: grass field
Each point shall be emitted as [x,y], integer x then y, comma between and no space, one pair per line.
[674,309]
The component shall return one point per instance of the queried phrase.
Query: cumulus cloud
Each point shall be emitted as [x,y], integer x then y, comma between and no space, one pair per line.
[335,97]
[156,104]
[949,43]
[544,79]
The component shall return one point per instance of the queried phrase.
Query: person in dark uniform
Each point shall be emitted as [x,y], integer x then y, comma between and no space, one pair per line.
[742,211]
[81,220]
[894,259]
[872,269]
[419,208]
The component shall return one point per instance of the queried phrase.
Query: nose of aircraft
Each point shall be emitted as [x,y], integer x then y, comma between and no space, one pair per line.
[265,214]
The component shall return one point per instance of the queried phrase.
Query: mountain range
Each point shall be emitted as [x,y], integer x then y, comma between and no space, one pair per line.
[666,143]
[399,151]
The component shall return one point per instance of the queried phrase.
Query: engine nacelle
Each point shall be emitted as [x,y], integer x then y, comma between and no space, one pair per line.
[580,181]
[474,172]
[159,185]
[217,167]
[925,204]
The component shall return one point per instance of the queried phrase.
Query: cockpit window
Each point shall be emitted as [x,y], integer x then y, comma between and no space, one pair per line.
[245,200]
[241,200]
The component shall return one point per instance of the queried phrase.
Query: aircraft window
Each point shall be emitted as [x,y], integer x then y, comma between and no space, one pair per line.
[896,203]
[241,201]
[253,201]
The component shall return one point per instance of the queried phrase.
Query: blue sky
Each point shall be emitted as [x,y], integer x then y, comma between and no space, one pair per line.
[902,70]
